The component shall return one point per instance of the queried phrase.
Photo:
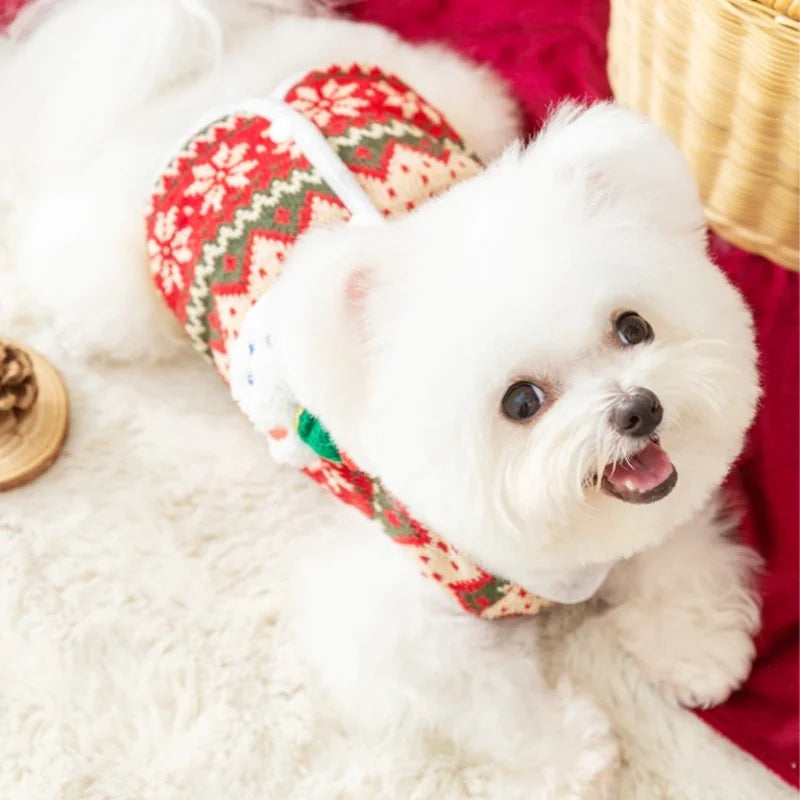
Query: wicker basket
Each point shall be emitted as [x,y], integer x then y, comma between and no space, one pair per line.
[722,77]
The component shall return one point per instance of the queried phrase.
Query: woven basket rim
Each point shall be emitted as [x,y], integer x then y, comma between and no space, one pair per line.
[785,8]
[728,99]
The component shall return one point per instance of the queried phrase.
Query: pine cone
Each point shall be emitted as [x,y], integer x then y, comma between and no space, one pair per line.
[17,385]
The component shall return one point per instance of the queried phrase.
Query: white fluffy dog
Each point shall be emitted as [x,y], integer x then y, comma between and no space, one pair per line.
[540,353]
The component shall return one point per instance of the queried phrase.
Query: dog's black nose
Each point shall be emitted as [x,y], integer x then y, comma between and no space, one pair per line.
[638,413]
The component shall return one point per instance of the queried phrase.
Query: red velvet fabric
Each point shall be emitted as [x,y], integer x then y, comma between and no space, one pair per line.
[8,10]
[548,51]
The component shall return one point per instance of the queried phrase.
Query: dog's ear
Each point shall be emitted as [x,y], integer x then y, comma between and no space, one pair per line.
[615,158]
[322,335]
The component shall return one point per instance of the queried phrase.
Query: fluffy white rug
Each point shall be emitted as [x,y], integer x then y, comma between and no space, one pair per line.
[142,652]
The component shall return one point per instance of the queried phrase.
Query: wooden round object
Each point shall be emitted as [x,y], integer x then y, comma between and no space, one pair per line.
[34,443]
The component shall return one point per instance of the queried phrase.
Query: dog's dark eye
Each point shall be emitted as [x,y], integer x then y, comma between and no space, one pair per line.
[522,400]
[633,329]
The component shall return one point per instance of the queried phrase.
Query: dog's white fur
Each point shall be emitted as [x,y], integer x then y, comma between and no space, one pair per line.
[516,272]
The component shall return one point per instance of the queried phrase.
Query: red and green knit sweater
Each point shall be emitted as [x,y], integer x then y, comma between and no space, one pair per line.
[338,143]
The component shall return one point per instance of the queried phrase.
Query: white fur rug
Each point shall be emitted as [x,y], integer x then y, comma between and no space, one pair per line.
[142,653]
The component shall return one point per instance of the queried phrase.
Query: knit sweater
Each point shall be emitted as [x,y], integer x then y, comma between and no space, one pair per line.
[341,144]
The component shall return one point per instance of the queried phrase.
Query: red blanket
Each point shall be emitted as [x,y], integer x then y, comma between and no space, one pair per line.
[548,51]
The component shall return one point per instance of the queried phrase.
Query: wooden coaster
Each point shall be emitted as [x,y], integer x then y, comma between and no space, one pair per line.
[35,442]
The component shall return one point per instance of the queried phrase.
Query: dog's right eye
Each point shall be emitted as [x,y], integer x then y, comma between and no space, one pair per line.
[633,329]
[521,401]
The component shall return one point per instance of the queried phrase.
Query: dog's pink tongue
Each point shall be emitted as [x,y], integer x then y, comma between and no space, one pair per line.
[646,470]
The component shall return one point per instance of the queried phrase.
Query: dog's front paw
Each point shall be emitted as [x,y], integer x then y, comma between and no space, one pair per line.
[708,677]
[697,657]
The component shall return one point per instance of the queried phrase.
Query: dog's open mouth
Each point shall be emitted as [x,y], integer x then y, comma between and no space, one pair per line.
[645,477]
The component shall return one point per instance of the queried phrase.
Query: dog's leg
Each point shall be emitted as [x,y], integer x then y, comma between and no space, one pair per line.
[687,610]
[401,659]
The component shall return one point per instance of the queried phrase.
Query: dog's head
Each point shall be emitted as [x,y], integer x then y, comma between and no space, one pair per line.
[543,364]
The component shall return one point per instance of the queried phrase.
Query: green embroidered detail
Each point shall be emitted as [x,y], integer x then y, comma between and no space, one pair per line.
[310,431]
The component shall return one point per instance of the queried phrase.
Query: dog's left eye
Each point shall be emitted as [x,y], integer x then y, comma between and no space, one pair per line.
[522,400]
[633,329]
